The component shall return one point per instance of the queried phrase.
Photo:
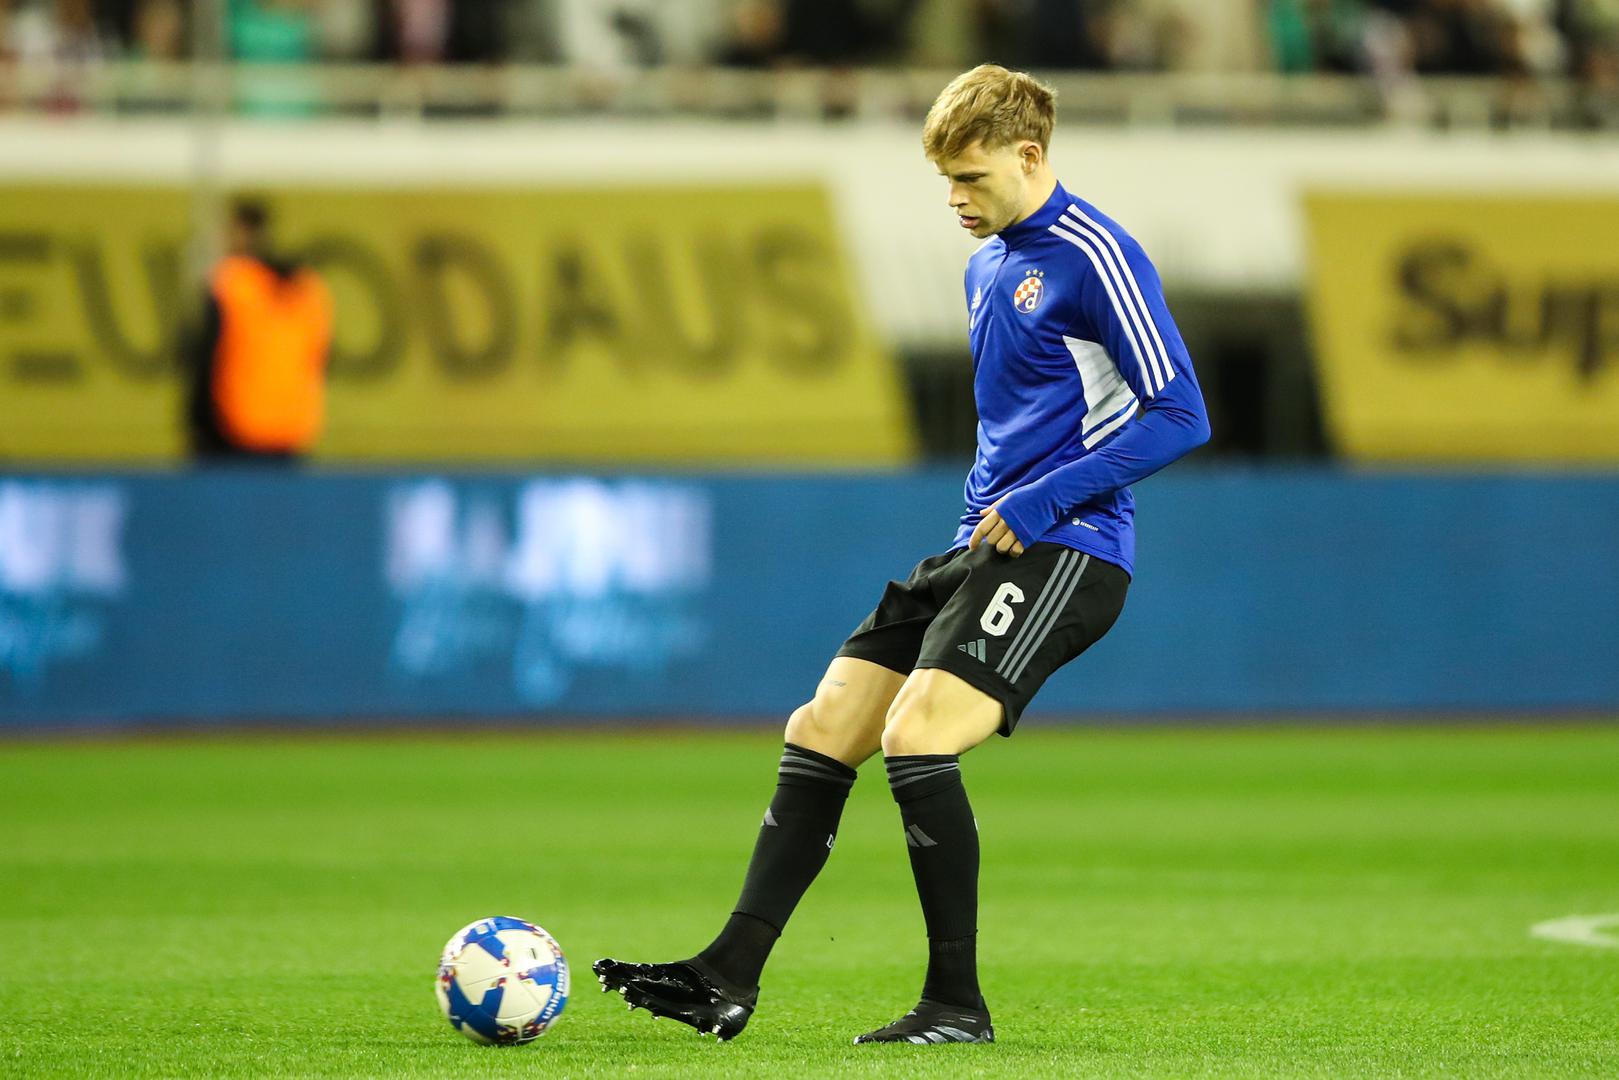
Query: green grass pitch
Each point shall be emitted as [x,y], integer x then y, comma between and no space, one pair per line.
[1297,902]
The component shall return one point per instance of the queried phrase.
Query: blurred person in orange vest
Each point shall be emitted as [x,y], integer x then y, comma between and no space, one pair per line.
[259,388]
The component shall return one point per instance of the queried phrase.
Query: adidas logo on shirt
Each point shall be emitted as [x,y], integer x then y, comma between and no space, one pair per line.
[974,649]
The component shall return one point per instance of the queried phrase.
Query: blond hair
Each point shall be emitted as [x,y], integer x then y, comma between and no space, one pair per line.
[991,104]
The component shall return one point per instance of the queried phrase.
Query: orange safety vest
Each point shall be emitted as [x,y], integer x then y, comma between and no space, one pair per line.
[270,362]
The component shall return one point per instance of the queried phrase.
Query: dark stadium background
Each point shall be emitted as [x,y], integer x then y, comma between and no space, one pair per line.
[649,369]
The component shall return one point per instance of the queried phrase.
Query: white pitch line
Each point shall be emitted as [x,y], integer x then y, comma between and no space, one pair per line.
[1580,930]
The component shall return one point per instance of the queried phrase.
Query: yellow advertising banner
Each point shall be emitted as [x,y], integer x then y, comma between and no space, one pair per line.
[1454,327]
[695,325]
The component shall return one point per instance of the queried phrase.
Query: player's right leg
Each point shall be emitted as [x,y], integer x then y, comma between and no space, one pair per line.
[716,990]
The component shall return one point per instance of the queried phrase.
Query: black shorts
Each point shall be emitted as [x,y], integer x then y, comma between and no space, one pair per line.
[999,623]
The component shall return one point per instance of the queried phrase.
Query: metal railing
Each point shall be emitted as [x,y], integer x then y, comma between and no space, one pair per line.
[530,91]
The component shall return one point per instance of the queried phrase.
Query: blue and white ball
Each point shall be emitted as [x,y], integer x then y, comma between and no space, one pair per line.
[502,980]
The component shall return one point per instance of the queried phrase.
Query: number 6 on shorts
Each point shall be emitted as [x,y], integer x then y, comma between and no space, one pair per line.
[998,616]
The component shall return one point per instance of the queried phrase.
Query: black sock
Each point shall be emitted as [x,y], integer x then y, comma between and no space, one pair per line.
[953,972]
[793,844]
[943,841]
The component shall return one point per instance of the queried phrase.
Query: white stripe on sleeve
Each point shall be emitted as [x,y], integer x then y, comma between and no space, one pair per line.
[1112,243]
[1093,252]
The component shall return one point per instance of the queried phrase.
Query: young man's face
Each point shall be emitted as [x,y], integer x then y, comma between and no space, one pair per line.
[988,187]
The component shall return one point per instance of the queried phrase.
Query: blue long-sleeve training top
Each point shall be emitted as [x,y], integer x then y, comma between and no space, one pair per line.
[1082,381]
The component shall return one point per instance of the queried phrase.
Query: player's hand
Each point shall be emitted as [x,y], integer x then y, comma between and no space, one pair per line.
[995,532]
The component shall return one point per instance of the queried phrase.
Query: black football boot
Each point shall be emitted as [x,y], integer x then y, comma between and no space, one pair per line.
[685,991]
[935,1022]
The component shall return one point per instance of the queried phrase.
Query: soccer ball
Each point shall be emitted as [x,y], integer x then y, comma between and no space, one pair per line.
[502,980]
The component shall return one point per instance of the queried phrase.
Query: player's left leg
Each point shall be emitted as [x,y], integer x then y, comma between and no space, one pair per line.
[936,718]
[1004,630]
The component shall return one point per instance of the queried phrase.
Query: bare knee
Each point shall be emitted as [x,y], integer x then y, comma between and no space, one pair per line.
[804,726]
[936,712]
[910,728]
[821,725]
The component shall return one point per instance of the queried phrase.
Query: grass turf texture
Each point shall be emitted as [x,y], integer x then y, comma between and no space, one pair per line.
[1191,903]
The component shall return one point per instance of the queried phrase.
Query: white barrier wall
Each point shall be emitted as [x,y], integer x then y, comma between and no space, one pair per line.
[1216,209]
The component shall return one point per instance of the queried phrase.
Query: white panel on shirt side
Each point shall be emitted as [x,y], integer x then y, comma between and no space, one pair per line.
[1107,396]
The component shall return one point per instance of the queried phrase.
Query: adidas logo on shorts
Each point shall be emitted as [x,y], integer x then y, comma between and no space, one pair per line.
[974,649]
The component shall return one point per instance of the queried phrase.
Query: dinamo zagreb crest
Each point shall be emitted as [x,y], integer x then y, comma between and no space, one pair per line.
[1029,291]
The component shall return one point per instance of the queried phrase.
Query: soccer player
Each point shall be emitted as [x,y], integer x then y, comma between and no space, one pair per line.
[1083,387]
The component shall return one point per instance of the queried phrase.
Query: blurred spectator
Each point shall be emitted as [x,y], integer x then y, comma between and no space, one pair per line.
[1153,35]
[1067,33]
[1317,35]
[817,33]
[478,31]
[941,35]
[415,31]
[1536,40]
[271,30]
[1463,37]
[346,29]
[611,35]
[1200,36]
[59,37]
[425,31]
[1092,35]
[1046,34]
[836,33]
[259,367]
[822,33]
[1592,29]
[755,35]
[159,31]
[62,32]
